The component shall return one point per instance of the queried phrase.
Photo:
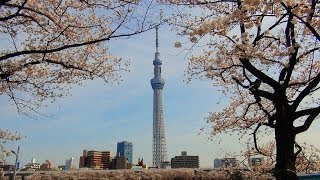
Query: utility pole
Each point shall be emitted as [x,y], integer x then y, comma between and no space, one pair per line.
[249,160]
[249,153]
[16,162]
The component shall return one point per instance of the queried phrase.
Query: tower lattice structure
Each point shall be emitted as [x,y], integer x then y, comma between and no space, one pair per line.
[159,147]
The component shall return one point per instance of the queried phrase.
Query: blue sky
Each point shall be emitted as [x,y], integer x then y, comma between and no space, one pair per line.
[98,115]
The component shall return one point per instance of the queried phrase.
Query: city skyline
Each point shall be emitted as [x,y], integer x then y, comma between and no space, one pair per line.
[98,116]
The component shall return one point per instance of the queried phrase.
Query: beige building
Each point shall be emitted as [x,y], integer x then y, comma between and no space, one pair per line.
[95,159]
[185,161]
[33,165]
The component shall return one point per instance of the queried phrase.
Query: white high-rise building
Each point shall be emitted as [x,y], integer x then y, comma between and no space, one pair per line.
[68,164]
[159,148]
[33,160]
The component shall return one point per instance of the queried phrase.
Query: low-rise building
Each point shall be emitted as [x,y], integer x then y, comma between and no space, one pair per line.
[225,162]
[185,161]
[46,166]
[255,161]
[95,159]
[33,165]
[119,162]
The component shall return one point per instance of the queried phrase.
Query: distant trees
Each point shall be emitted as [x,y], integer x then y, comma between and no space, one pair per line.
[265,56]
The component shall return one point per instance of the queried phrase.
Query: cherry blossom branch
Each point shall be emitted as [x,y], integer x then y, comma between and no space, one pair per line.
[15,14]
[3,2]
[26,52]
[313,8]
[11,95]
[201,3]
[32,10]
[270,28]
[309,26]
[308,52]
[253,70]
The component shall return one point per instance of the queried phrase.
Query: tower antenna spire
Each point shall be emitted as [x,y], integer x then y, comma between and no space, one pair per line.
[157,42]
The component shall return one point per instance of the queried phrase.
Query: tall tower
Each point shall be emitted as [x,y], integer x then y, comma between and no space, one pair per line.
[159,147]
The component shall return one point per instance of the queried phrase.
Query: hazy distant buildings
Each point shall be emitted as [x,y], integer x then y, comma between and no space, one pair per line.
[217,163]
[68,164]
[95,159]
[46,166]
[119,162]
[255,161]
[124,148]
[165,165]
[61,168]
[185,161]
[33,165]
[33,160]
[225,162]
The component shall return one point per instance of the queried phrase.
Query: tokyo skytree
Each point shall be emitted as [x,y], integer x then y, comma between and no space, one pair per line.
[159,148]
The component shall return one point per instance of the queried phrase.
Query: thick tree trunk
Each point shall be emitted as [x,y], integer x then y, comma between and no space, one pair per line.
[286,158]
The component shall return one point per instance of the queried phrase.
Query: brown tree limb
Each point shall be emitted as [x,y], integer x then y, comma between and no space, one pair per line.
[306,91]
[299,149]
[259,74]
[306,112]
[255,139]
[307,123]
[259,37]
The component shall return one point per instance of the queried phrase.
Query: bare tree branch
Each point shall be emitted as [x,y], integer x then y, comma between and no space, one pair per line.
[255,139]
[306,91]
[307,123]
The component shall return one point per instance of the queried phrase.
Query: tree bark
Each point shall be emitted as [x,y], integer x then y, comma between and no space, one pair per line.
[285,139]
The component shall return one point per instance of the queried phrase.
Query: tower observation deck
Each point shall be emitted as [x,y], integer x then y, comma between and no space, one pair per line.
[159,148]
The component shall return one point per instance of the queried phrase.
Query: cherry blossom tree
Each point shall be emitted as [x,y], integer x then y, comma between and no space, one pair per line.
[265,56]
[307,161]
[48,44]
[6,136]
